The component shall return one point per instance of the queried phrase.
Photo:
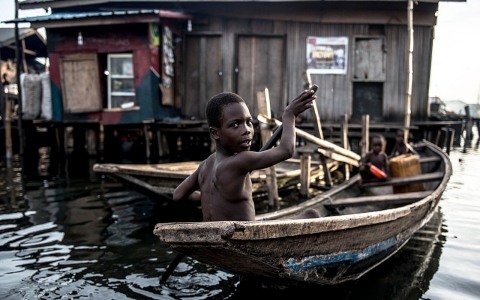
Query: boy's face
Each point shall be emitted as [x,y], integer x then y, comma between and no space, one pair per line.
[400,137]
[236,128]
[376,145]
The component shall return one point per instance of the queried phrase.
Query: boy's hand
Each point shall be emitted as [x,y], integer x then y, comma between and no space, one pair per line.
[301,103]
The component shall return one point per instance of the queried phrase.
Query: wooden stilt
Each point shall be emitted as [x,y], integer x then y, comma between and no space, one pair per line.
[101,138]
[469,135]
[326,171]
[163,149]
[91,141]
[146,134]
[437,138]
[365,134]
[8,131]
[305,170]
[345,145]
[450,139]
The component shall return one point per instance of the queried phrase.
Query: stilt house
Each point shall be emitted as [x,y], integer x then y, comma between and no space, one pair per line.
[147,62]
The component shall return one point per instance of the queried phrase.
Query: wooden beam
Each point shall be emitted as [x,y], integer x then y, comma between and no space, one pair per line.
[406,180]
[339,157]
[313,139]
[405,198]
[26,51]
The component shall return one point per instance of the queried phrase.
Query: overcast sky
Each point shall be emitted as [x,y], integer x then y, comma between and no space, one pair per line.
[455,73]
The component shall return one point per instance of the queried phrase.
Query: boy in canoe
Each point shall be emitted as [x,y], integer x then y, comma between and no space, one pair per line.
[222,182]
[400,146]
[375,162]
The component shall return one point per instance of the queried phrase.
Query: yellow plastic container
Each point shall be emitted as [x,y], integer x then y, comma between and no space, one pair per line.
[406,165]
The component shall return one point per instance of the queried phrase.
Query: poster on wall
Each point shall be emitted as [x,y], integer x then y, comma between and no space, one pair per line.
[327,55]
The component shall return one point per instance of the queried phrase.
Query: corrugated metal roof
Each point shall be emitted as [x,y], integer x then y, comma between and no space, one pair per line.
[81,15]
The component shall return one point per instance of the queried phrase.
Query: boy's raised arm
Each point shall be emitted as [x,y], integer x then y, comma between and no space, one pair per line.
[286,148]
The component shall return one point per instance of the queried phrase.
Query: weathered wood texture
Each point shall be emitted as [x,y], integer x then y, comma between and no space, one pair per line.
[405,198]
[203,73]
[79,98]
[267,53]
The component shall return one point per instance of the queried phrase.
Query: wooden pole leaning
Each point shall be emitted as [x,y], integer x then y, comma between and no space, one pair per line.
[263,104]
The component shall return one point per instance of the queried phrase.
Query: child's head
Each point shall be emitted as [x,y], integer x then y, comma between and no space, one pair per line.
[214,109]
[377,143]
[400,136]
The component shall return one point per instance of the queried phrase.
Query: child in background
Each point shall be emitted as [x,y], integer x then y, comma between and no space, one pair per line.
[400,146]
[222,182]
[375,157]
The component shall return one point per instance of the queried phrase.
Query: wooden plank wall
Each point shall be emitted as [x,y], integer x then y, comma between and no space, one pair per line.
[394,87]
[335,92]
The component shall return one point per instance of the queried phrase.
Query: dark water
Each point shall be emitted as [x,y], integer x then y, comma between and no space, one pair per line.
[87,237]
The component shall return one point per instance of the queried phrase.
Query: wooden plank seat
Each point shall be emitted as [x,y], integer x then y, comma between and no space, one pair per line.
[396,181]
[429,159]
[405,198]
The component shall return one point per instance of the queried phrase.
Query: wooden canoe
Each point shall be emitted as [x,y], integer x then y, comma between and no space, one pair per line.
[358,230]
[162,179]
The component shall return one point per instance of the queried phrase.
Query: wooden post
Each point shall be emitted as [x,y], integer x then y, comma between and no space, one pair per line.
[305,169]
[147,140]
[8,131]
[344,130]
[263,103]
[408,88]
[317,124]
[101,138]
[163,147]
[469,124]
[25,67]
[365,135]
[450,140]
[92,146]
[19,85]
[326,171]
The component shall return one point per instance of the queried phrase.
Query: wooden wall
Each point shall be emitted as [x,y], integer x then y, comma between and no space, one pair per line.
[335,93]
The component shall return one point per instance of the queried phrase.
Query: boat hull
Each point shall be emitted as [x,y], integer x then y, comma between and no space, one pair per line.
[327,250]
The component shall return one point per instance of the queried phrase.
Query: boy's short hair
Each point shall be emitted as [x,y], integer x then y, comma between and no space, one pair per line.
[378,136]
[214,109]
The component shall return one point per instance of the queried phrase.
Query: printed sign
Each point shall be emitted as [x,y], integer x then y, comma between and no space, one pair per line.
[327,55]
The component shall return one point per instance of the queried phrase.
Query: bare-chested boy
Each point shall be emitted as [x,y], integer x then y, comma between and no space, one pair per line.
[400,146]
[222,182]
[375,157]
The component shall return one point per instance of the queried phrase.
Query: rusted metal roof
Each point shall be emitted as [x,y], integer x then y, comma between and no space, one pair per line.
[64,16]
[80,15]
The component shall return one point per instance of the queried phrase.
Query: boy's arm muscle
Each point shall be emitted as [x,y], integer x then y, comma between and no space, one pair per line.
[188,189]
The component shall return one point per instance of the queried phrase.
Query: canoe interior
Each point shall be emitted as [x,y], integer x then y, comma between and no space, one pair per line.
[362,197]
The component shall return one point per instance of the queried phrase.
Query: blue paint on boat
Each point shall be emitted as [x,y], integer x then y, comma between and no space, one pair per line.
[345,258]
